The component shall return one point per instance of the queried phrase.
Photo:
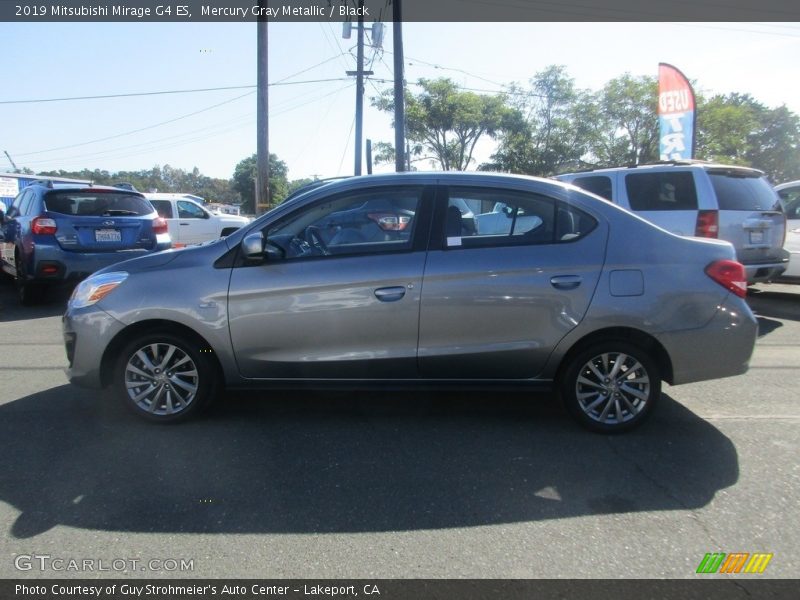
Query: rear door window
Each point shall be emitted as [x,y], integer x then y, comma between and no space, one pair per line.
[97,204]
[503,218]
[737,192]
[163,208]
[661,191]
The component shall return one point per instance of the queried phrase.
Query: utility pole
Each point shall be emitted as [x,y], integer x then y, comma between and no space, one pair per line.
[262,117]
[399,99]
[359,87]
[377,31]
[11,161]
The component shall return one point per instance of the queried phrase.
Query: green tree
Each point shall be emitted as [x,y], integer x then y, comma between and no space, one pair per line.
[548,128]
[737,129]
[627,129]
[244,177]
[162,179]
[446,122]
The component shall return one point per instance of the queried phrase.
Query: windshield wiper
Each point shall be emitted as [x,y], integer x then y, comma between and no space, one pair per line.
[120,213]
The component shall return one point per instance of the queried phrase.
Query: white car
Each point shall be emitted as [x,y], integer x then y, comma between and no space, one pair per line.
[191,223]
[790,199]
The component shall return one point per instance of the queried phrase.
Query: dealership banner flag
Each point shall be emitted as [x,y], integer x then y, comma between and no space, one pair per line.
[676,114]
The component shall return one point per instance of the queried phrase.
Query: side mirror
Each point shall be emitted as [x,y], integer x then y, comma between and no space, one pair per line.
[253,247]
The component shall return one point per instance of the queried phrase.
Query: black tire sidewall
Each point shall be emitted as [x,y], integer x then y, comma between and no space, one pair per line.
[28,292]
[578,360]
[206,388]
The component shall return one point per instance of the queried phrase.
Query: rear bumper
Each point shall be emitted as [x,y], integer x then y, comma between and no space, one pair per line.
[55,264]
[765,271]
[722,348]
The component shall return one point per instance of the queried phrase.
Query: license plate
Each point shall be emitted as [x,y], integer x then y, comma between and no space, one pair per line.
[107,235]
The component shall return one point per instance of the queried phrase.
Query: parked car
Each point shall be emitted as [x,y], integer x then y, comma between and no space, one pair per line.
[55,233]
[191,223]
[695,198]
[594,302]
[790,198]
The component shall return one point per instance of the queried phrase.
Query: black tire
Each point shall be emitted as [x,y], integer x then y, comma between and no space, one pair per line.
[28,292]
[170,399]
[616,403]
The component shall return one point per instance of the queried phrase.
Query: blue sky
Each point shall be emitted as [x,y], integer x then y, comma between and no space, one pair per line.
[311,123]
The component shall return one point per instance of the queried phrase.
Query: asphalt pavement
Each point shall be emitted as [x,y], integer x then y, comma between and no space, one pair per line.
[392,484]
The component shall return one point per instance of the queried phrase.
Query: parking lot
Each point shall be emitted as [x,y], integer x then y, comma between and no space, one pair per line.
[369,485]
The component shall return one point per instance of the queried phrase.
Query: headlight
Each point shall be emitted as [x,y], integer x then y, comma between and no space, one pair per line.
[96,288]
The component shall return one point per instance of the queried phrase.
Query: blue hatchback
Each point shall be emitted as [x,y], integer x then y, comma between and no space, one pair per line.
[56,233]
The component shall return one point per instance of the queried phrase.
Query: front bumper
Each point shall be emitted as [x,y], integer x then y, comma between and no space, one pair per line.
[721,348]
[87,333]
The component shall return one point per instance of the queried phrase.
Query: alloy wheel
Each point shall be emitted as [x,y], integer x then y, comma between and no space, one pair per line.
[161,379]
[612,388]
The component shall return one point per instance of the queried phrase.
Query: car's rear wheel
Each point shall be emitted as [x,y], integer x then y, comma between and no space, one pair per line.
[164,377]
[28,292]
[612,386]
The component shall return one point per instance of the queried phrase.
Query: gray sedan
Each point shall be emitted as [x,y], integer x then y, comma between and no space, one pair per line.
[571,293]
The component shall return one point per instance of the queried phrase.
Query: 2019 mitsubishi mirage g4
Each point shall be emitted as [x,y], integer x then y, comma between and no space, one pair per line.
[562,291]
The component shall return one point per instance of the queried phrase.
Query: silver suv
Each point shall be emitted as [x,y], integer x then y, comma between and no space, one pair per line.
[694,198]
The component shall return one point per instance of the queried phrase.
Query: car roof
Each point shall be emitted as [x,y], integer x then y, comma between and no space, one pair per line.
[171,196]
[696,164]
[788,184]
[61,187]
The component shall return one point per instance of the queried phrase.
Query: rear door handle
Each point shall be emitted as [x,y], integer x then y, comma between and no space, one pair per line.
[390,294]
[566,282]
[184,223]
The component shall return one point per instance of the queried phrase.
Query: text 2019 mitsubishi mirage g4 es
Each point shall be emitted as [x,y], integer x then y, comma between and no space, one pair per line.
[549,287]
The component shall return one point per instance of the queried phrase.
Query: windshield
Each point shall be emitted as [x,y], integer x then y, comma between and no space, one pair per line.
[736,192]
[98,204]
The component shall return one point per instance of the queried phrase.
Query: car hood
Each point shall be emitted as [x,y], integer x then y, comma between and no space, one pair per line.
[233,219]
[143,263]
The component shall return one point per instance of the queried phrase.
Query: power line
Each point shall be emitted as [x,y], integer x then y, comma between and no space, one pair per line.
[347,143]
[124,133]
[149,148]
[165,92]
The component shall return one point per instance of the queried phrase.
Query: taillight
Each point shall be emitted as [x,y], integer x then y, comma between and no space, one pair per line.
[43,226]
[730,275]
[707,224]
[160,225]
[390,221]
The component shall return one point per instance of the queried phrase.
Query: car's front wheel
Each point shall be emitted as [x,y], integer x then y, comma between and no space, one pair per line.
[612,386]
[164,377]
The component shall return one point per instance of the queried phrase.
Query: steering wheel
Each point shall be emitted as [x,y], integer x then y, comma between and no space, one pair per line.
[314,237]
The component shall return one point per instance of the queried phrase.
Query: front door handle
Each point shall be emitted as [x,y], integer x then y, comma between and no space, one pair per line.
[390,294]
[566,282]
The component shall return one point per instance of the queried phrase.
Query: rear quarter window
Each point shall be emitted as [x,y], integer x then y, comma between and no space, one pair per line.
[735,192]
[661,191]
[596,184]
